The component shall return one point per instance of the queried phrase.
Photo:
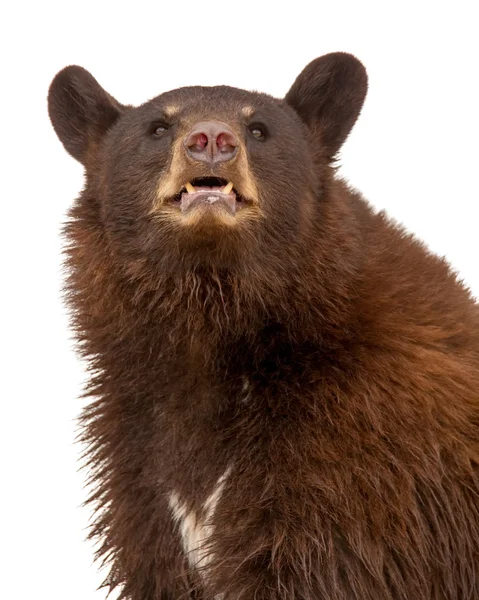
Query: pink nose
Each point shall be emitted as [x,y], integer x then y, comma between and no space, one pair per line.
[211,142]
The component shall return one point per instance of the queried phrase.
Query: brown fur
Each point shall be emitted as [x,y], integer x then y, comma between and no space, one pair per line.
[353,446]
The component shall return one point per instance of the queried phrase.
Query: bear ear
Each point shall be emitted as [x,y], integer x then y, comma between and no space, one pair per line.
[80,110]
[328,95]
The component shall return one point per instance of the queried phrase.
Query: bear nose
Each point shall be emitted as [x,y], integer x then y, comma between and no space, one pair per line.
[211,142]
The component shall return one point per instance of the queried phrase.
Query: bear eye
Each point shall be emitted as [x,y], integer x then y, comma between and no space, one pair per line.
[258,131]
[159,129]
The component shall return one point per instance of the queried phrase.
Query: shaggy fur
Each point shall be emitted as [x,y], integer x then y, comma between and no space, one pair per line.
[299,386]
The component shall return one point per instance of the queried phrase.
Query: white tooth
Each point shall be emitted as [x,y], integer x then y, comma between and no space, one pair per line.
[189,188]
[228,187]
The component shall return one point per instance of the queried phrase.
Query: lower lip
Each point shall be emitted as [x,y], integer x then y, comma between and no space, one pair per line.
[211,199]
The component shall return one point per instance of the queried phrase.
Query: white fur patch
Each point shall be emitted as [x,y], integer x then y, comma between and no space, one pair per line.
[196,528]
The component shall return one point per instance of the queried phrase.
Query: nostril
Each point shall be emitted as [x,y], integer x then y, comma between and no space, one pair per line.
[197,141]
[202,140]
[226,141]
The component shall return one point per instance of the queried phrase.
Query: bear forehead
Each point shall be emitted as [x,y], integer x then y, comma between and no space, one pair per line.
[215,100]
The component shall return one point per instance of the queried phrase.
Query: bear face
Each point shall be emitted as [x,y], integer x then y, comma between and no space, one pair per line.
[139,162]
[148,164]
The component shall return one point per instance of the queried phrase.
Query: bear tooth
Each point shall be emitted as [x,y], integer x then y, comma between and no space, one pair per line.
[228,187]
[189,188]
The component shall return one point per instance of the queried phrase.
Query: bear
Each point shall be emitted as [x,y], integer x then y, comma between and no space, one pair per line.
[284,382]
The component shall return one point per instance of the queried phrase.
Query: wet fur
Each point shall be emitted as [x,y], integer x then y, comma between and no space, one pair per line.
[353,447]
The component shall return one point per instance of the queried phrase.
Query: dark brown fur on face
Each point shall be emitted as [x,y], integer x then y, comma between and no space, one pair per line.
[284,402]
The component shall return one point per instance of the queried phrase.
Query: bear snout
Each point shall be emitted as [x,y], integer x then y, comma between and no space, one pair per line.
[211,142]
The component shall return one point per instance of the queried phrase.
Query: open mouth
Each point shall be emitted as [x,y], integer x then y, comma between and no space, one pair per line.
[213,192]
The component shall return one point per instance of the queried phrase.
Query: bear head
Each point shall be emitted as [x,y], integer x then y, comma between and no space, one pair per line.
[206,177]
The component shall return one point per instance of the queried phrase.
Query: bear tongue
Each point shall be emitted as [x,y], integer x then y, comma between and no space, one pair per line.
[209,195]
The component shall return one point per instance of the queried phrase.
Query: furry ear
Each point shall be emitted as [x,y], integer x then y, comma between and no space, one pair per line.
[80,110]
[328,95]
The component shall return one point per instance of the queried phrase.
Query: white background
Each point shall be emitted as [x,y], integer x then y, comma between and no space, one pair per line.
[413,152]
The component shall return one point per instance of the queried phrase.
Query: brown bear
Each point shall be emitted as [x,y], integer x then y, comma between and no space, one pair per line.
[284,383]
